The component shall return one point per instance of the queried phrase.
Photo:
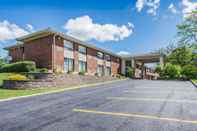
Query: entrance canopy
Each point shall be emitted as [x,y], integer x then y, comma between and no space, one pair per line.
[133,60]
[146,58]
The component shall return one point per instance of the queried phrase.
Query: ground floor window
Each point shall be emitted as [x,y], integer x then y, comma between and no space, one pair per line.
[82,66]
[108,71]
[68,64]
[100,70]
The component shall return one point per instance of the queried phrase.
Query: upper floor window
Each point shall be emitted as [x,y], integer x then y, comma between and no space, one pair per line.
[100,55]
[68,45]
[107,57]
[82,49]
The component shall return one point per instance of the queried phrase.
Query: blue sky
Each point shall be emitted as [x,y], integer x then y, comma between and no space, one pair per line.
[134,26]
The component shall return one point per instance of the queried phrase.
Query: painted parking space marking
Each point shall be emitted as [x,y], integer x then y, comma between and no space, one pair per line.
[160,92]
[151,100]
[142,116]
[167,88]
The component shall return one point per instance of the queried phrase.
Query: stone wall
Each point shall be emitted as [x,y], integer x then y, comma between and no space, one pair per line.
[52,80]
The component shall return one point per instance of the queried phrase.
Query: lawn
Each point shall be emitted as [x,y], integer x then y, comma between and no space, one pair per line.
[3,76]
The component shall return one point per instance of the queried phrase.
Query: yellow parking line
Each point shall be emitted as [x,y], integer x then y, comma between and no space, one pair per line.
[151,117]
[151,100]
[148,92]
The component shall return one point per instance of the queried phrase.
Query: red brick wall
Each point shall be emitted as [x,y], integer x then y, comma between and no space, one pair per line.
[59,53]
[91,61]
[115,65]
[16,54]
[40,51]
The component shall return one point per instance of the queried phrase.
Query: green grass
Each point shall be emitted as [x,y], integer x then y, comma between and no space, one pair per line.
[194,81]
[4,76]
[8,93]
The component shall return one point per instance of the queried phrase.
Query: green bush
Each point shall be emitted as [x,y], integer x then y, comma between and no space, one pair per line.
[129,72]
[82,73]
[189,71]
[42,70]
[171,71]
[158,69]
[24,66]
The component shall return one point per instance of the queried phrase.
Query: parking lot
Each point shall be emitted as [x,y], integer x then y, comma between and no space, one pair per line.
[129,105]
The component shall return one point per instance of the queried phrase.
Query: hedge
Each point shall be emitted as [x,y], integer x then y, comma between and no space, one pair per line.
[23,66]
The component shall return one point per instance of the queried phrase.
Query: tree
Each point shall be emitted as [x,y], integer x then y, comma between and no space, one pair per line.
[171,71]
[187,31]
[180,56]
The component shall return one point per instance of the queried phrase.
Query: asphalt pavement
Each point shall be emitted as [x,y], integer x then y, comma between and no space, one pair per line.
[129,105]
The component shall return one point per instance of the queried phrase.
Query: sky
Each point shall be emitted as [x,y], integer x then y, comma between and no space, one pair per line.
[121,26]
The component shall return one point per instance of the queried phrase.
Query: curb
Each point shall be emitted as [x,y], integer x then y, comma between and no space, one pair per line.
[193,83]
[61,90]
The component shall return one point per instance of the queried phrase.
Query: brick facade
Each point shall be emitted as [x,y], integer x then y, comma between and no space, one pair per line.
[47,55]
[39,50]
[91,61]
[16,54]
[115,65]
[59,53]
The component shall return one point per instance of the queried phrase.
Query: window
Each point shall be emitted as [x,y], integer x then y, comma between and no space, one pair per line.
[100,70]
[82,49]
[68,45]
[68,64]
[108,71]
[22,49]
[128,63]
[107,57]
[82,66]
[100,55]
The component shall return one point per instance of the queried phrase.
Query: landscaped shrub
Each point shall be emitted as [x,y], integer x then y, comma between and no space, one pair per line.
[42,70]
[24,66]
[189,71]
[82,73]
[120,76]
[158,69]
[171,71]
[17,77]
[129,72]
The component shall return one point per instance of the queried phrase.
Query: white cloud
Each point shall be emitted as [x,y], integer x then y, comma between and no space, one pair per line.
[131,25]
[84,29]
[10,31]
[188,7]
[140,5]
[172,8]
[123,53]
[152,6]
[29,27]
